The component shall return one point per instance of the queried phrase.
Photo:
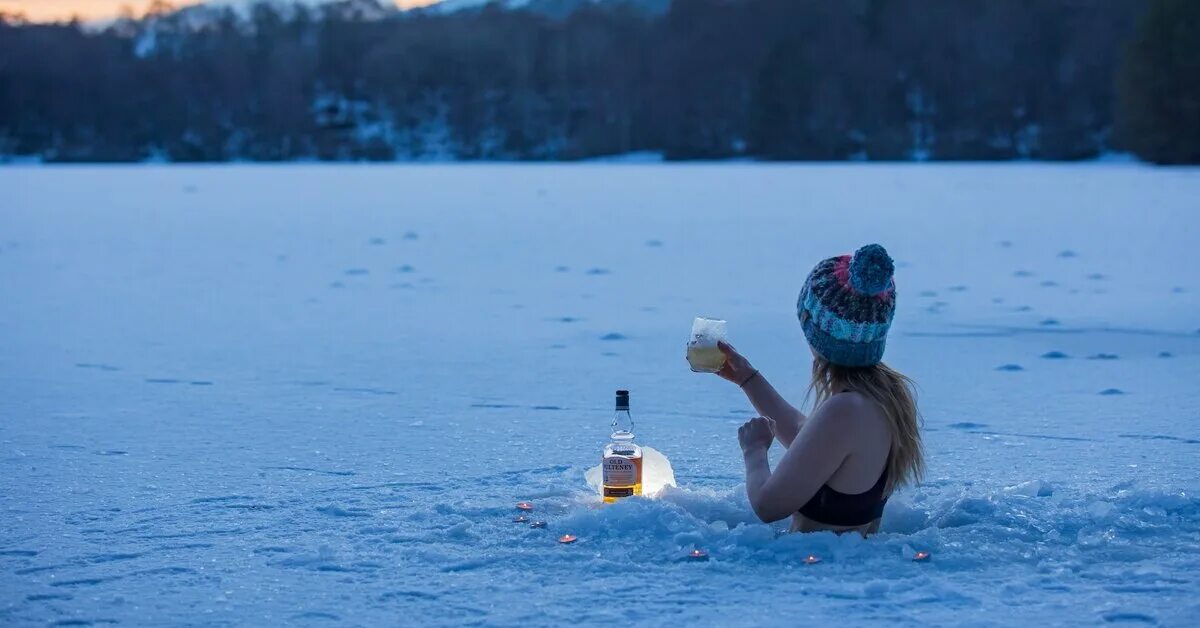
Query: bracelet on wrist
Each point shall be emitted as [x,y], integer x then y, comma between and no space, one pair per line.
[747,380]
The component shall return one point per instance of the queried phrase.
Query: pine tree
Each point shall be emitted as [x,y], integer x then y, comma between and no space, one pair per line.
[1158,113]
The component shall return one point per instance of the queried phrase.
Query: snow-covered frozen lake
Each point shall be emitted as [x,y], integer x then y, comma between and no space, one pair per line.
[313,393]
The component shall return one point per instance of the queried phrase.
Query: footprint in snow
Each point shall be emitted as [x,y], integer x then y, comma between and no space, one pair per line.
[1010,367]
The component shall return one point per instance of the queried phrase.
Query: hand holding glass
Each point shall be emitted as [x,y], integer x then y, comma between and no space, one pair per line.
[702,351]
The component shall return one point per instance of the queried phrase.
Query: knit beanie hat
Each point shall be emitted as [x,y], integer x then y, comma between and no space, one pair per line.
[849,301]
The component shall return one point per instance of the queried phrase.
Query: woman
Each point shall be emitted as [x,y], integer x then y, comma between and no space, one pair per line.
[862,440]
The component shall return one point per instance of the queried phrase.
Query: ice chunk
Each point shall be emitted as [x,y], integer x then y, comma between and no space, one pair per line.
[1032,488]
[1101,511]
[657,473]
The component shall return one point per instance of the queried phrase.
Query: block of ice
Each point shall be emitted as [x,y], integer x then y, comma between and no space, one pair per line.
[657,473]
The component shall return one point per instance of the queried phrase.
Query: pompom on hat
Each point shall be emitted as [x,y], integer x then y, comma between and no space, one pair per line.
[846,306]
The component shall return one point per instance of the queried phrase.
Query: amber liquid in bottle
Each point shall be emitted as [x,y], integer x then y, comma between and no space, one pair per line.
[622,461]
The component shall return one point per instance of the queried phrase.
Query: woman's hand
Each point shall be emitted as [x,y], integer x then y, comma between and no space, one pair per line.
[755,434]
[737,368]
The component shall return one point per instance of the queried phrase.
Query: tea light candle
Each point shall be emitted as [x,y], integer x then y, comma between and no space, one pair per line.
[538,524]
[697,554]
[567,538]
[811,559]
[520,519]
[920,556]
[524,506]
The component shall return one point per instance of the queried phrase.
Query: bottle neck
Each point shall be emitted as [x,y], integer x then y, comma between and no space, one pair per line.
[622,425]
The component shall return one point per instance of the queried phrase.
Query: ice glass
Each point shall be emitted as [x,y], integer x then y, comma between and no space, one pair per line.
[702,351]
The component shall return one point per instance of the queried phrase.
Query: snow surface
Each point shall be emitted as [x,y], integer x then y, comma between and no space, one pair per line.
[313,394]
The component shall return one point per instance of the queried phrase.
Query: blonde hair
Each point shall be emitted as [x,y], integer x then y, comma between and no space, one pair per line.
[895,394]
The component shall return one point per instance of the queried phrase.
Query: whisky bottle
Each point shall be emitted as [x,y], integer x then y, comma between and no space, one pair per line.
[622,464]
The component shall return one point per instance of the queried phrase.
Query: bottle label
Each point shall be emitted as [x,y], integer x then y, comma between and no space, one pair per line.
[619,471]
[624,491]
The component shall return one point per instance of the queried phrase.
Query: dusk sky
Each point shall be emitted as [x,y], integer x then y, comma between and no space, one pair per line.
[45,10]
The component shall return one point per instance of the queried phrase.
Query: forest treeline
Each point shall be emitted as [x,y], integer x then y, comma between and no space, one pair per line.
[700,79]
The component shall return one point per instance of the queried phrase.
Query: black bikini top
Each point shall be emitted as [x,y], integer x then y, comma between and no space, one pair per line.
[839,509]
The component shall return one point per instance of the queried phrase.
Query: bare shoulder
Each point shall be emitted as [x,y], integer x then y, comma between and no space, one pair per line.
[847,412]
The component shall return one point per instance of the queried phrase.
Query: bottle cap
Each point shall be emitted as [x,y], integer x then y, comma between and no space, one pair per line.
[622,399]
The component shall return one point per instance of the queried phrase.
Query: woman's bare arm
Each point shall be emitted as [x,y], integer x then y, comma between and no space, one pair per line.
[762,395]
[819,450]
[768,402]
